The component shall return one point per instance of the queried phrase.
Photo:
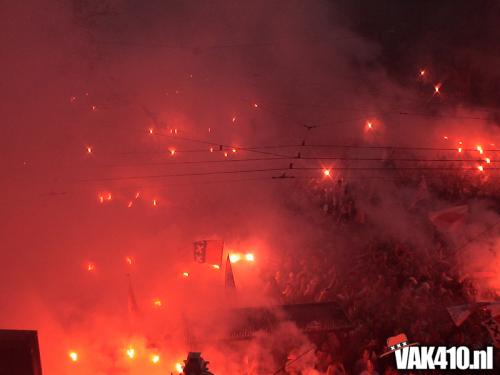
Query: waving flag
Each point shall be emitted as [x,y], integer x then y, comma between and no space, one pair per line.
[459,313]
[450,218]
[208,251]
[229,277]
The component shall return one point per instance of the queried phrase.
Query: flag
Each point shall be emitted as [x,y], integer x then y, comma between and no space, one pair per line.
[449,219]
[422,193]
[133,307]
[208,251]
[459,313]
[229,277]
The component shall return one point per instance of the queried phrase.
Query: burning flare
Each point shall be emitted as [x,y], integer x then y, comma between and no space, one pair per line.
[130,352]
[73,356]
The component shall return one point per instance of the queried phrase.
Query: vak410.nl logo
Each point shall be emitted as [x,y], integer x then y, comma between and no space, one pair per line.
[412,356]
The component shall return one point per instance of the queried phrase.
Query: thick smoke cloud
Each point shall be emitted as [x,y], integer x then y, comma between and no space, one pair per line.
[102,74]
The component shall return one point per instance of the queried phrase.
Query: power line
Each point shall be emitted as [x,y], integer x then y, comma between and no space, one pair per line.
[138,177]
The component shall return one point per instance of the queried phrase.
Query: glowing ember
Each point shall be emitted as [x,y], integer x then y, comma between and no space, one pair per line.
[233,150]
[249,257]
[129,204]
[89,150]
[256,105]
[155,358]
[94,108]
[225,154]
[175,131]
[211,149]
[326,172]
[234,258]
[155,202]
[460,149]
[185,274]
[480,149]
[178,367]
[369,125]
[422,72]
[130,352]
[157,303]
[101,199]
[209,130]
[91,267]
[437,88]
[216,266]
[137,195]
[129,260]
[172,151]
[73,356]
[445,138]
[151,130]
[480,168]
[234,119]
[487,160]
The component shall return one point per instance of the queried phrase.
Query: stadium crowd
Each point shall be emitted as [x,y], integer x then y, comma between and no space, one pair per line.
[391,287]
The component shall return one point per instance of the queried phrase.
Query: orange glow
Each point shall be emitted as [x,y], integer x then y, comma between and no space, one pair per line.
[101,199]
[172,151]
[129,204]
[155,358]
[326,172]
[216,266]
[175,131]
[437,87]
[225,154]
[460,149]
[480,149]
[234,258]
[445,138]
[233,150]
[178,367]
[155,203]
[73,356]
[129,260]
[89,150]
[157,303]
[249,257]
[151,130]
[109,197]
[480,168]
[91,267]
[211,149]
[422,72]
[130,352]
[255,105]
[487,160]
[234,119]
[185,274]
[137,195]
[369,125]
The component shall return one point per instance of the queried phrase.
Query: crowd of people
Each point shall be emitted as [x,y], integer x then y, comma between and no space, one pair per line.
[391,286]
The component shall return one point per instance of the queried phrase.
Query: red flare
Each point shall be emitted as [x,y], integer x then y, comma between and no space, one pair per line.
[73,356]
